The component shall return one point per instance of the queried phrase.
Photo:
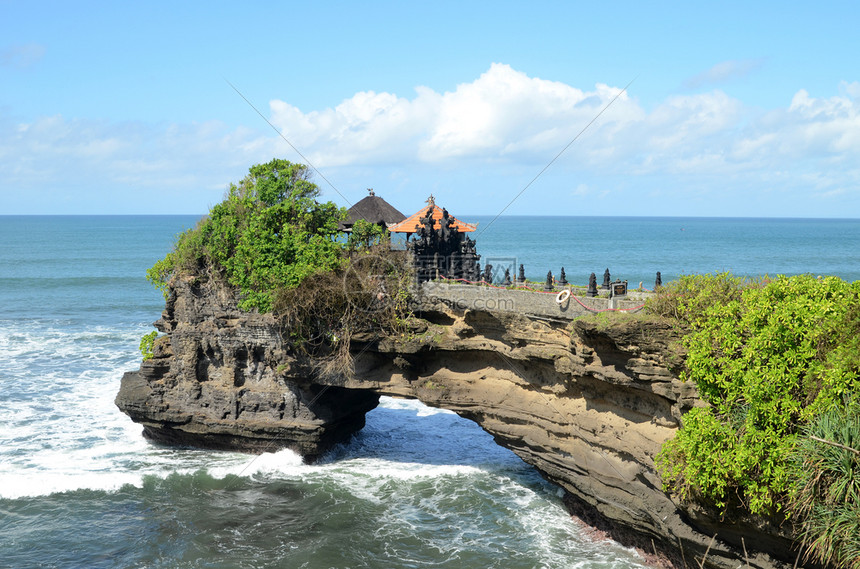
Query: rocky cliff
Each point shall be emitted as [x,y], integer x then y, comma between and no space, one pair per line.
[587,401]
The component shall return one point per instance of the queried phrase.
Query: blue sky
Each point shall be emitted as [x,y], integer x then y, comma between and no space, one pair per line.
[735,109]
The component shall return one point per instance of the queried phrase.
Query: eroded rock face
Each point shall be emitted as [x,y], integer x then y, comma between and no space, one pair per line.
[588,402]
[223,378]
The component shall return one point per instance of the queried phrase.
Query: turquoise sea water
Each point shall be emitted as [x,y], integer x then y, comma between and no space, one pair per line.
[418,487]
[635,248]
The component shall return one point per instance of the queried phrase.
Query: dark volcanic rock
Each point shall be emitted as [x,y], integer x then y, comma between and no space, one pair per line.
[223,378]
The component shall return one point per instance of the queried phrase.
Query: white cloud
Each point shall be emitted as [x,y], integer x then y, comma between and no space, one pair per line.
[503,113]
[504,121]
[55,154]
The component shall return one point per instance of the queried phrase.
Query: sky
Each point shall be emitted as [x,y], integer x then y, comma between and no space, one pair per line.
[736,109]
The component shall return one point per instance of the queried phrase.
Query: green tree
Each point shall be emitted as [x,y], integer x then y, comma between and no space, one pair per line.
[365,235]
[269,232]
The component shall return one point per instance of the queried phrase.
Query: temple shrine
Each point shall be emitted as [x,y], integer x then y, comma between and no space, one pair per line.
[440,247]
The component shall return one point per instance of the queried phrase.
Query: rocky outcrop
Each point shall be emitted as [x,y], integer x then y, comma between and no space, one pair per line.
[587,401]
[227,379]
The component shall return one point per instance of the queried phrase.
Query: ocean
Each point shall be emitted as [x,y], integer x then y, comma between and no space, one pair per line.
[418,487]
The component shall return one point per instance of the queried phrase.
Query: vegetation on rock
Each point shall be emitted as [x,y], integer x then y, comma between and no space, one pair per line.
[146,343]
[826,491]
[269,233]
[365,235]
[773,358]
[280,248]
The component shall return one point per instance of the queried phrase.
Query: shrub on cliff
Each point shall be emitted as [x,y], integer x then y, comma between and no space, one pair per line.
[270,232]
[770,357]
[826,493]
[369,295]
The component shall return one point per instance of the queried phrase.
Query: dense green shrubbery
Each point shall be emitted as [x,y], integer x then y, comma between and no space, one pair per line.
[770,357]
[687,298]
[826,492]
[270,232]
[267,237]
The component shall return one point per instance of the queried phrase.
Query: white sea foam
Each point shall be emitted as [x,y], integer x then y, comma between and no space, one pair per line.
[59,428]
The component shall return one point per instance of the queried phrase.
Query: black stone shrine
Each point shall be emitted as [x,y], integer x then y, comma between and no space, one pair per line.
[592,286]
[443,250]
[488,273]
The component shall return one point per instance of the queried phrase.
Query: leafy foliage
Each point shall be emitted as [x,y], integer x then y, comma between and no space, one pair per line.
[826,492]
[146,343]
[274,242]
[769,357]
[270,232]
[365,235]
[687,298]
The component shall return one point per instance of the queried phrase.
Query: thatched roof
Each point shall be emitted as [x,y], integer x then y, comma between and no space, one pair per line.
[373,209]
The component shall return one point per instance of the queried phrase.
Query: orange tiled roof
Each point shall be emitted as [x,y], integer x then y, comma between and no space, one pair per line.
[413,222]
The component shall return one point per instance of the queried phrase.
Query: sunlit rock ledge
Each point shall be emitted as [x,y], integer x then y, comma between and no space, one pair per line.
[587,400]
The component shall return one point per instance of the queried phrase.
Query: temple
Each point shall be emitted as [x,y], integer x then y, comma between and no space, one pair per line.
[440,248]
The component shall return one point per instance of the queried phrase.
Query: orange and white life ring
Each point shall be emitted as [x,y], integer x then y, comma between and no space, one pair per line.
[562,296]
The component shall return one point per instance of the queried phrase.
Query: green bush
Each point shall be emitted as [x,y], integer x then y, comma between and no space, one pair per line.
[826,492]
[768,357]
[146,343]
[270,232]
[687,298]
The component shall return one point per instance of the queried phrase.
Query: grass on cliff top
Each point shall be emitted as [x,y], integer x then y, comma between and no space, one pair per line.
[369,294]
[773,358]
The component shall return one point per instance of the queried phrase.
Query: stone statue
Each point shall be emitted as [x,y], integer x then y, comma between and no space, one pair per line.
[488,273]
[521,278]
[507,281]
[659,282]
[592,286]
[607,280]
[548,285]
[562,278]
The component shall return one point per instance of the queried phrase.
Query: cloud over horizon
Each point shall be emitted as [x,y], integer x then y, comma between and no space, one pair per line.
[503,117]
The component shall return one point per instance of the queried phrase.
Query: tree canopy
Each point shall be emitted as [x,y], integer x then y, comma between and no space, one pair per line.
[269,232]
